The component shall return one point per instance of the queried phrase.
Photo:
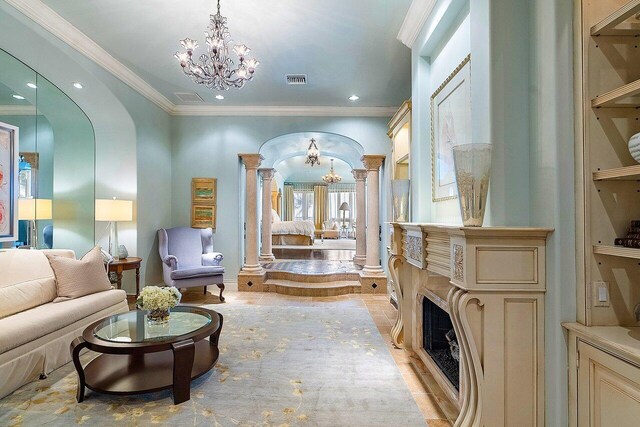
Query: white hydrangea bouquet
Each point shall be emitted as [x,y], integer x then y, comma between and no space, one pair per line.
[158,301]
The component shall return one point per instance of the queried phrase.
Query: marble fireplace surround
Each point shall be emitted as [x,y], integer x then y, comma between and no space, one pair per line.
[491,281]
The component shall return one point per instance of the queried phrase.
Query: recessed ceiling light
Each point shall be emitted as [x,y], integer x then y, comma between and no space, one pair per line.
[220,97]
[18,96]
[354,98]
[77,85]
[32,85]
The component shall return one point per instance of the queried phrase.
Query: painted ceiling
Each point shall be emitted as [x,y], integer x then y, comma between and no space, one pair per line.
[344,46]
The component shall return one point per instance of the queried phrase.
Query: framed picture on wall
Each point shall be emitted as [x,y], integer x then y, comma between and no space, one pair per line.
[204,191]
[450,126]
[203,216]
[9,148]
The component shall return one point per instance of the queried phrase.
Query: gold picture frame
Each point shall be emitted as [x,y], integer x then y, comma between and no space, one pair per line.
[203,216]
[204,191]
[450,126]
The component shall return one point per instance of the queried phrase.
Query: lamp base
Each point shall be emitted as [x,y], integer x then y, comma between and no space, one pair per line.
[113,240]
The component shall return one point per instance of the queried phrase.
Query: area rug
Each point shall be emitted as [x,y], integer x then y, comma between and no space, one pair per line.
[279,366]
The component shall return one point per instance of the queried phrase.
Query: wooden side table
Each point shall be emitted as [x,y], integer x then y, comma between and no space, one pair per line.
[124,264]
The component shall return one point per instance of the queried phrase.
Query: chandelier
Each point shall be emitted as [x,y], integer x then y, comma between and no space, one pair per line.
[313,154]
[332,177]
[215,69]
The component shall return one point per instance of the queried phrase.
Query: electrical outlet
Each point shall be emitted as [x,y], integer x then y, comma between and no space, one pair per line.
[600,294]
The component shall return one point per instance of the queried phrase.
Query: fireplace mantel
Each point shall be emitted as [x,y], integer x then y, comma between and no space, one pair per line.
[491,281]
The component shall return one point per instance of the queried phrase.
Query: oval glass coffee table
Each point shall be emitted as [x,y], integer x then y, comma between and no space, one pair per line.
[137,357]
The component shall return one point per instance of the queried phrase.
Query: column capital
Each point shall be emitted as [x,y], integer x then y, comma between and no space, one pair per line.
[359,174]
[372,161]
[267,173]
[251,161]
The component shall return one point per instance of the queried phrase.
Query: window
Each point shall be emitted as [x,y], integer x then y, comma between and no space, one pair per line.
[302,205]
[335,201]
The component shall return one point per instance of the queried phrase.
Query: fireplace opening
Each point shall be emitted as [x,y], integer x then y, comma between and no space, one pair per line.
[440,342]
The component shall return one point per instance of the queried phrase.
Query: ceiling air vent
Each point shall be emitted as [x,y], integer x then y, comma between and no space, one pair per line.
[192,98]
[296,79]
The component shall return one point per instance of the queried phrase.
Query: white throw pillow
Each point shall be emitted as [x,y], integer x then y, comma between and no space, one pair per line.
[79,277]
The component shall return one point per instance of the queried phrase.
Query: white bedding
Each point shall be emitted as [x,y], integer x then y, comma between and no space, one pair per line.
[302,228]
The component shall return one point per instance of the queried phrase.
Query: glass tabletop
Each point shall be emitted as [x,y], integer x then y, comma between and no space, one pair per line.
[132,326]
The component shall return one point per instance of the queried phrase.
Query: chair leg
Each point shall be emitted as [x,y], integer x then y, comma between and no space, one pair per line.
[221,286]
[205,289]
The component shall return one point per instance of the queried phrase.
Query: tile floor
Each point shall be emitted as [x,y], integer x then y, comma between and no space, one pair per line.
[311,267]
[383,314]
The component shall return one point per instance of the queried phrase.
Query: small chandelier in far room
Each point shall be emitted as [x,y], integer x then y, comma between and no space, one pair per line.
[332,177]
[214,68]
[313,154]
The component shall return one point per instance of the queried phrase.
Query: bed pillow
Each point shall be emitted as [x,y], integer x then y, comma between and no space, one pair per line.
[274,216]
[79,277]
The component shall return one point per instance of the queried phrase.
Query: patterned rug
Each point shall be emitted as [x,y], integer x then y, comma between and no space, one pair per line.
[279,366]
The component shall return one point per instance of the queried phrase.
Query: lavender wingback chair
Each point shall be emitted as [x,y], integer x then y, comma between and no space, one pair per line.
[188,258]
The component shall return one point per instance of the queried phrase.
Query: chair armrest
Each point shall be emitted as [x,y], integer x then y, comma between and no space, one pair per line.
[212,258]
[171,261]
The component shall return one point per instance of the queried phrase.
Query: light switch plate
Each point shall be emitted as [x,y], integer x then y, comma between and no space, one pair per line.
[600,295]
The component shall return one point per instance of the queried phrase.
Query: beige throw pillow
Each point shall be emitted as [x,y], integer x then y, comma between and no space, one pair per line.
[79,277]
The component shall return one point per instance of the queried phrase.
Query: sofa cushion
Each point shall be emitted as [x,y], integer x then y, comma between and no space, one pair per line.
[37,322]
[203,271]
[27,280]
[79,277]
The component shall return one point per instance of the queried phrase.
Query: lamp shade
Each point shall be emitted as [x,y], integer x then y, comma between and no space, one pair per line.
[34,209]
[114,210]
[344,206]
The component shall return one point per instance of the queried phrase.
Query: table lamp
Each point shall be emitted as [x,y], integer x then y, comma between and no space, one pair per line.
[113,210]
[344,207]
[32,210]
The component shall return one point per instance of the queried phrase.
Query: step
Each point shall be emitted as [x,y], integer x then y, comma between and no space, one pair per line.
[312,278]
[327,289]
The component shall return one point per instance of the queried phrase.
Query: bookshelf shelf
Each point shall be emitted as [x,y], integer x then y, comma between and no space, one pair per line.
[627,93]
[618,251]
[615,25]
[627,173]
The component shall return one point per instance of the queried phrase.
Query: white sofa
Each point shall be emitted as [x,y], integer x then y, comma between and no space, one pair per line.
[35,332]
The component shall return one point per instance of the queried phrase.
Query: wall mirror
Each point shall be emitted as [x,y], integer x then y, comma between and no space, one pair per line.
[56,162]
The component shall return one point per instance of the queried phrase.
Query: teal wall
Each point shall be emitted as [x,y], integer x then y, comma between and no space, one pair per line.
[209,147]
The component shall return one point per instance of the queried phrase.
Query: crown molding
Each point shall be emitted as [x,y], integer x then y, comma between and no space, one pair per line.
[418,13]
[300,111]
[48,19]
[18,110]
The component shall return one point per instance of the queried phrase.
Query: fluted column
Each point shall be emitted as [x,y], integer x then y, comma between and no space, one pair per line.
[266,254]
[251,164]
[372,164]
[361,221]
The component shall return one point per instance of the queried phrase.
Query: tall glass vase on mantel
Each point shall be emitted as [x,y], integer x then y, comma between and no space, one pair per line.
[473,170]
[400,195]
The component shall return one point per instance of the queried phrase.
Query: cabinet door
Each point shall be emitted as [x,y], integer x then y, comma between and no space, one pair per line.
[608,390]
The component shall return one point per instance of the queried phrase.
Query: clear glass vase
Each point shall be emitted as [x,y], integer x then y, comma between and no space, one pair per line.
[473,169]
[158,317]
[400,195]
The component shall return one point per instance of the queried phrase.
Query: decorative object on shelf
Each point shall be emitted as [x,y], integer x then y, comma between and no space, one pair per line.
[158,302]
[632,239]
[313,154]
[9,148]
[214,68]
[113,210]
[634,147]
[332,177]
[204,202]
[33,210]
[400,194]
[122,252]
[473,170]
[450,126]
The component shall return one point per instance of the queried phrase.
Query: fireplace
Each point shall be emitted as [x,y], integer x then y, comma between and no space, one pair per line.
[439,341]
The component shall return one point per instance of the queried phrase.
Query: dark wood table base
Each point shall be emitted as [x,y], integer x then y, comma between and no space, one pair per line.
[125,374]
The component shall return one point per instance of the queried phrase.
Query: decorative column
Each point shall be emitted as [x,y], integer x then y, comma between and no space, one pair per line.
[266,253]
[372,265]
[361,221]
[252,275]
